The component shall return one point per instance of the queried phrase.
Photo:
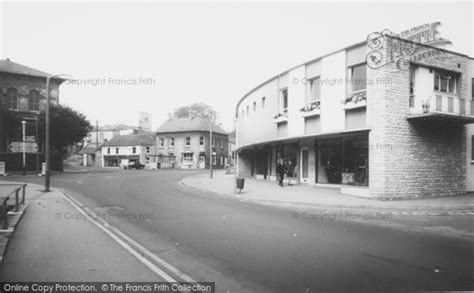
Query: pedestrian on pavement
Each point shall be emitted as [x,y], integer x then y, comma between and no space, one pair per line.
[281,169]
[290,172]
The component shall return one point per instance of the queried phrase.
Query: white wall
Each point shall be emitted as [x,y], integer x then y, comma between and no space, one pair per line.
[332,111]
[296,100]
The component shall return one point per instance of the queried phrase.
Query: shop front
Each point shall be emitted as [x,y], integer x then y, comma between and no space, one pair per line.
[343,160]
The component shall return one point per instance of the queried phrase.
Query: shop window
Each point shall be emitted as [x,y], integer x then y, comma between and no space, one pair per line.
[445,82]
[12,99]
[201,140]
[313,90]
[147,160]
[172,141]
[188,140]
[283,99]
[134,150]
[33,100]
[187,157]
[222,160]
[263,102]
[214,159]
[472,147]
[358,78]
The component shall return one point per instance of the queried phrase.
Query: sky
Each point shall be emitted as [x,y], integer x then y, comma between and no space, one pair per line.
[127,57]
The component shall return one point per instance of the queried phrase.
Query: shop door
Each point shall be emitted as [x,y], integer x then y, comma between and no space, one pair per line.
[202,162]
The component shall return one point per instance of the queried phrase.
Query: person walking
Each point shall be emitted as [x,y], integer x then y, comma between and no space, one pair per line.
[290,172]
[281,169]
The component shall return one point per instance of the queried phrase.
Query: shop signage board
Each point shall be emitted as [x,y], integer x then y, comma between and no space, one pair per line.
[17,147]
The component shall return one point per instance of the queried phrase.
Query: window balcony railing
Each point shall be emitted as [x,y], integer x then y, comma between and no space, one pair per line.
[281,116]
[442,104]
[355,100]
[313,108]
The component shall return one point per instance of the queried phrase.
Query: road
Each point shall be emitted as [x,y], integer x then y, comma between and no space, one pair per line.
[245,247]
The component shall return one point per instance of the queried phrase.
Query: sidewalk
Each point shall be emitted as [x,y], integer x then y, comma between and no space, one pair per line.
[268,192]
[52,242]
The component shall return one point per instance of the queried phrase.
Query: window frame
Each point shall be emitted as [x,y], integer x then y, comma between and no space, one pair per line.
[451,80]
[284,99]
[11,95]
[188,141]
[351,70]
[311,83]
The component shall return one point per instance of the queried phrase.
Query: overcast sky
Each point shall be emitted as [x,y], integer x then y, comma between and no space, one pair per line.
[188,52]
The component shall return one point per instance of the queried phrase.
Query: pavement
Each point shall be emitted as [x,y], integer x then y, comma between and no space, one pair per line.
[268,192]
[55,242]
[240,245]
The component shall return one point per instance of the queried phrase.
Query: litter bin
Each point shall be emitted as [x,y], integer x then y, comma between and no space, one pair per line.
[240,183]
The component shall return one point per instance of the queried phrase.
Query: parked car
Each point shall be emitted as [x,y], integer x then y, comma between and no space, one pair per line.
[134,165]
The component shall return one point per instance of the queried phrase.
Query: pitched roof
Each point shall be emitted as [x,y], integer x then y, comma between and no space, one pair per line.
[9,66]
[89,149]
[115,127]
[131,140]
[188,125]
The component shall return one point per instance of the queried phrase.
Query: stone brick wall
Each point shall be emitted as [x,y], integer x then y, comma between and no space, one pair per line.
[415,158]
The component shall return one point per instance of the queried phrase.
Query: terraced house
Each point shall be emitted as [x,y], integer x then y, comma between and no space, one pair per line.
[384,119]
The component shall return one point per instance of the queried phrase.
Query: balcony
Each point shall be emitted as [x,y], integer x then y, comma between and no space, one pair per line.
[355,100]
[281,116]
[311,109]
[441,107]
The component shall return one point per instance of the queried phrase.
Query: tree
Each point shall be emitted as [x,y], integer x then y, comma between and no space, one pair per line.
[198,109]
[67,127]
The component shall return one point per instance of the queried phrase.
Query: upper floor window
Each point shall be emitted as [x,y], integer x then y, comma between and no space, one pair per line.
[188,140]
[248,110]
[12,99]
[412,87]
[263,102]
[161,142]
[172,141]
[445,82]
[147,149]
[284,99]
[242,113]
[33,100]
[116,150]
[472,91]
[254,106]
[314,89]
[358,77]
[222,143]
[108,151]
[201,140]
[134,150]
[213,141]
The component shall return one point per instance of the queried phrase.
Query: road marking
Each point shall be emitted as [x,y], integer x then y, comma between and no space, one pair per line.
[132,251]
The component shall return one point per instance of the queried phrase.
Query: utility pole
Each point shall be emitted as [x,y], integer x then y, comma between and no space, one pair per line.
[47,141]
[211,157]
[23,124]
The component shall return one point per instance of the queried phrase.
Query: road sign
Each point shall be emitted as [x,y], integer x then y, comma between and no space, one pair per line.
[17,147]
[2,168]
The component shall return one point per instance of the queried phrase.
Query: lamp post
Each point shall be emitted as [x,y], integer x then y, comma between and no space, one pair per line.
[23,125]
[47,142]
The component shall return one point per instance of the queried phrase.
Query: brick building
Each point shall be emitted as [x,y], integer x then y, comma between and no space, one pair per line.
[184,143]
[385,120]
[23,93]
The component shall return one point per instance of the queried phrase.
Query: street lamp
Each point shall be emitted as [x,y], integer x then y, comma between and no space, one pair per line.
[47,159]
[23,124]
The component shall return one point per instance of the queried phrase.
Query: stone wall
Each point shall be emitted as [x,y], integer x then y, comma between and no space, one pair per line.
[415,158]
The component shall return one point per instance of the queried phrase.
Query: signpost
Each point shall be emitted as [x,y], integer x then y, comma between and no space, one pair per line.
[30,147]
[2,169]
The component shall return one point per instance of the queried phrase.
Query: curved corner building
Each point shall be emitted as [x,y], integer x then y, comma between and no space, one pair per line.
[383,119]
